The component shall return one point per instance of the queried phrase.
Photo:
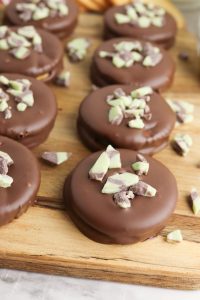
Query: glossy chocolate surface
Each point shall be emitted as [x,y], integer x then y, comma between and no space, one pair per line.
[97,132]
[16,199]
[48,63]
[103,72]
[60,26]
[99,218]
[164,36]
[32,126]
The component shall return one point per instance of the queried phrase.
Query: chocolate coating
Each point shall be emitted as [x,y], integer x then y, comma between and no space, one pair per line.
[16,199]
[60,26]
[103,72]
[32,126]
[99,218]
[97,133]
[48,63]
[163,36]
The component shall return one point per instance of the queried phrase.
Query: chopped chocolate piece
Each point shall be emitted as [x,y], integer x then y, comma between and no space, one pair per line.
[4,44]
[115,159]
[7,114]
[63,79]
[122,199]
[20,53]
[115,115]
[55,158]
[144,91]
[5,181]
[182,144]
[141,167]
[141,15]
[4,80]
[3,166]
[119,182]
[118,93]
[3,31]
[77,49]
[7,158]
[127,53]
[21,106]
[174,236]
[195,198]
[136,123]
[100,168]
[3,105]
[143,189]
[183,56]
[183,110]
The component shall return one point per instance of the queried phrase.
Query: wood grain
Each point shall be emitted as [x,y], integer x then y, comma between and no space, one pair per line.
[45,240]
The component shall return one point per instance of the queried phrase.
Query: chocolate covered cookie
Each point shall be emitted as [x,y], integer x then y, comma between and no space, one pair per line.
[56,16]
[129,61]
[139,20]
[30,51]
[126,117]
[19,179]
[120,197]
[27,109]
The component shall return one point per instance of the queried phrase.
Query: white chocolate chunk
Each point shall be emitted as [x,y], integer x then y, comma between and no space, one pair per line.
[4,80]
[21,106]
[100,168]
[115,159]
[143,91]
[122,19]
[119,182]
[5,181]
[175,236]
[7,157]
[136,123]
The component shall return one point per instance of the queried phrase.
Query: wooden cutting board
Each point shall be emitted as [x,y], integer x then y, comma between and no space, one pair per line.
[45,240]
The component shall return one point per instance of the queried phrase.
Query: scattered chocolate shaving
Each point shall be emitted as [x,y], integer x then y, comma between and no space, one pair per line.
[131,106]
[5,162]
[3,166]
[126,53]
[142,15]
[182,144]
[19,43]
[55,158]
[183,56]
[77,49]
[122,199]
[63,79]
[143,189]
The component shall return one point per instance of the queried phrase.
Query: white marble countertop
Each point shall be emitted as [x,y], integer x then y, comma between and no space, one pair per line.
[17,285]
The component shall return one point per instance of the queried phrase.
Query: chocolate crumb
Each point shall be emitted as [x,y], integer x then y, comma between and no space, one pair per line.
[184,56]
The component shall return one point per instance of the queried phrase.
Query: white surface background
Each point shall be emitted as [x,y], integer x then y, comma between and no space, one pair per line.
[16,285]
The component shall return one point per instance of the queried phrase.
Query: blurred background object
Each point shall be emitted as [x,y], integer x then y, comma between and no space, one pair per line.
[191,12]
[102,5]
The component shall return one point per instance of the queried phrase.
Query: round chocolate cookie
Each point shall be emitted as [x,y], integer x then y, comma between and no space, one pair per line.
[19,179]
[56,16]
[110,203]
[141,21]
[129,61]
[137,119]
[27,109]
[31,52]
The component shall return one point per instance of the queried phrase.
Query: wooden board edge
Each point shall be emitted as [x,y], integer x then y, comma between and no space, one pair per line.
[157,280]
